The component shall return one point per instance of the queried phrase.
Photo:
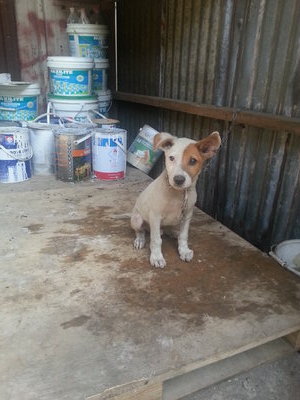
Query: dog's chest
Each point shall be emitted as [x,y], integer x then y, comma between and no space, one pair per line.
[174,210]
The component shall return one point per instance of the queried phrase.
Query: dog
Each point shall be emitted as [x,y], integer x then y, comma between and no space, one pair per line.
[169,200]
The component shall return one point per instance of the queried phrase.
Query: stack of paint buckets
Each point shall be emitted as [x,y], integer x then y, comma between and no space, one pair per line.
[78,83]
[18,103]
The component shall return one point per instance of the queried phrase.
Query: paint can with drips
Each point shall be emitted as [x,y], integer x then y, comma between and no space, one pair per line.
[109,153]
[73,158]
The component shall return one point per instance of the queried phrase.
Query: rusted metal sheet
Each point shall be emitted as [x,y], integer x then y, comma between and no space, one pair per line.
[9,59]
[243,54]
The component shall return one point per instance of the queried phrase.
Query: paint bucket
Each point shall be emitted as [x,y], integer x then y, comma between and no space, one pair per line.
[100,75]
[73,157]
[105,101]
[19,101]
[287,254]
[103,122]
[15,155]
[70,76]
[88,40]
[141,153]
[73,109]
[109,153]
[42,141]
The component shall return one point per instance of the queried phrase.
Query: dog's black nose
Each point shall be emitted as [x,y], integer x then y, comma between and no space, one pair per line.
[179,180]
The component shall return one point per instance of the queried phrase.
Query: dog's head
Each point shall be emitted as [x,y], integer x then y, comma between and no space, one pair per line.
[185,157]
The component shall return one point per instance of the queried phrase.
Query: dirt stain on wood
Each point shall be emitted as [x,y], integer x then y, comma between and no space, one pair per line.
[75,322]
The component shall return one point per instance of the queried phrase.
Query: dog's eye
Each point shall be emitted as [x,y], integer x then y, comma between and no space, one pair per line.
[192,161]
[171,158]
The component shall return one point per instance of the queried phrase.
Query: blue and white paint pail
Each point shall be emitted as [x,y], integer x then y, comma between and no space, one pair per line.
[15,155]
[109,153]
[70,76]
[100,75]
[19,101]
[73,109]
[88,40]
[105,101]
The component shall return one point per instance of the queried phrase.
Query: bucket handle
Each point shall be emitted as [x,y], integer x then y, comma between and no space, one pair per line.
[48,117]
[82,139]
[7,152]
[97,113]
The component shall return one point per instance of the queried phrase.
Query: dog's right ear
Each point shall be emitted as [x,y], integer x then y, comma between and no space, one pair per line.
[163,141]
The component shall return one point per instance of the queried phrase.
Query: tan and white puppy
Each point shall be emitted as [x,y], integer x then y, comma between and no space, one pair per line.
[169,200]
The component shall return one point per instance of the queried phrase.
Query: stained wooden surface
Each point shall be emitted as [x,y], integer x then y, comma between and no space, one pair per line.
[82,311]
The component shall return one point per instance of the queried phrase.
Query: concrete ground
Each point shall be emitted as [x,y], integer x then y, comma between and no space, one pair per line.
[279,380]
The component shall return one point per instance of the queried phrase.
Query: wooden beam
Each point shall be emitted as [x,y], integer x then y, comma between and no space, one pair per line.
[252,118]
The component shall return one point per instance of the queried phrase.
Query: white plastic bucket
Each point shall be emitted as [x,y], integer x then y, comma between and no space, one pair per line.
[70,76]
[15,155]
[109,153]
[100,75]
[19,101]
[105,101]
[287,253]
[73,109]
[88,40]
[141,153]
[42,142]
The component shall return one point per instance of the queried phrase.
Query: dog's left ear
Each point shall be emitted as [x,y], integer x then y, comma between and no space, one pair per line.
[163,141]
[209,146]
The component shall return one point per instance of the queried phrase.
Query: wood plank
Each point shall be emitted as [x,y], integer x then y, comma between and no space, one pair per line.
[214,373]
[294,340]
[148,392]
[252,118]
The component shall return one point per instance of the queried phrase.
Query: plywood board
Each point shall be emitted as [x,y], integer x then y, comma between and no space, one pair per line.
[83,312]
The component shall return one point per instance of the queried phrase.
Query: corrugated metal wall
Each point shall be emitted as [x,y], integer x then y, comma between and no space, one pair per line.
[239,53]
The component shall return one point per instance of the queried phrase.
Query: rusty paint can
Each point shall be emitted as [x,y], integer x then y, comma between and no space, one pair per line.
[73,156]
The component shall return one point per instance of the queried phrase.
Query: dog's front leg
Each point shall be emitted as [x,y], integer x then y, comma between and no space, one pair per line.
[186,254]
[156,258]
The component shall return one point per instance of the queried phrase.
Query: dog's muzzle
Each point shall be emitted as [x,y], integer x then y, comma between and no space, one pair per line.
[179,180]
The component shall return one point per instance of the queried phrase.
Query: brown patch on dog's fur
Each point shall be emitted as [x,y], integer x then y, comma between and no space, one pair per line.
[192,152]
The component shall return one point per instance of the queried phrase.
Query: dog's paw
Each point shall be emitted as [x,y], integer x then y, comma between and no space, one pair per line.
[157,261]
[139,243]
[186,254]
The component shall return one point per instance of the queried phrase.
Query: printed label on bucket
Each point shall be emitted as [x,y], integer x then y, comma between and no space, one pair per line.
[11,169]
[18,108]
[109,160]
[99,79]
[69,82]
[142,155]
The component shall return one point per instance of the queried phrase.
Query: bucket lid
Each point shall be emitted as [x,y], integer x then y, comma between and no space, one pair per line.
[101,62]
[106,93]
[12,129]
[64,99]
[105,121]
[69,62]
[87,28]
[20,88]
[76,131]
